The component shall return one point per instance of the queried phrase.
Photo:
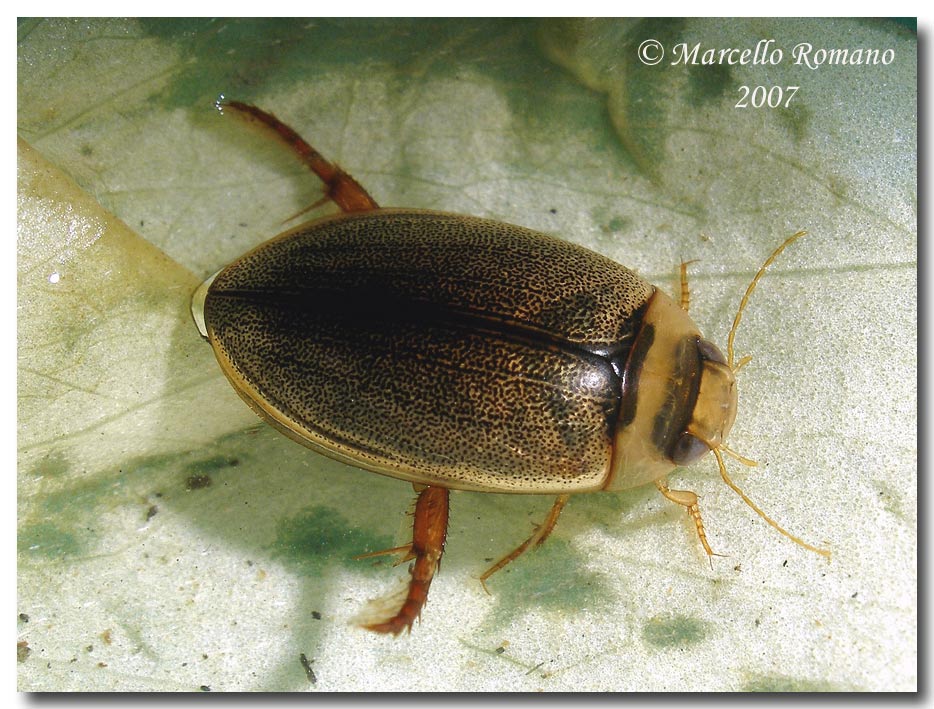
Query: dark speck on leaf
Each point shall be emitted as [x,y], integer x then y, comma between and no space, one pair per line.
[197,482]
[306,665]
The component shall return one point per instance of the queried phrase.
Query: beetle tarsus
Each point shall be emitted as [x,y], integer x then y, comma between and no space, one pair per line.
[342,189]
[688,500]
[428,533]
[538,537]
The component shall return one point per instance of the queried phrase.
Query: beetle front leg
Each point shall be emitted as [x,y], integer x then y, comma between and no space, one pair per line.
[685,288]
[342,189]
[429,529]
[688,500]
[538,537]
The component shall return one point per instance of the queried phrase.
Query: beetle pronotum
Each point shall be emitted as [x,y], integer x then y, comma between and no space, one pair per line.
[462,353]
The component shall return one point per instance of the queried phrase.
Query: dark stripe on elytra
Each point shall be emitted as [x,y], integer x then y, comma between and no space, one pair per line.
[365,305]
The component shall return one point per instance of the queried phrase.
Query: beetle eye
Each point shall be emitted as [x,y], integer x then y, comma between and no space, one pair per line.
[710,351]
[688,449]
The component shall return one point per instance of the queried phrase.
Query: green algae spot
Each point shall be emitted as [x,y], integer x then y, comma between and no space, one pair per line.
[53,465]
[708,84]
[241,56]
[199,471]
[551,578]
[83,499]
[891,500]
[796,119]
[198,482]
[48,541]
[319,535]
[206,466]
[617,224]
[674,631]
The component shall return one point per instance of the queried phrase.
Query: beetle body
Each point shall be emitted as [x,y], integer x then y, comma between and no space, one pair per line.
[462,353]
[465,353]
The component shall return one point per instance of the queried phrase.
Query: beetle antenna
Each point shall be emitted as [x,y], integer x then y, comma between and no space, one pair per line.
[745,300]
[741,458]
[758,511]
[742,363]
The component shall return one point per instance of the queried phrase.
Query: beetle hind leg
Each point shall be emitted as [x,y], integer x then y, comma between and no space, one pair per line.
[342,189]
[538,537]
[688,500]
[429,529]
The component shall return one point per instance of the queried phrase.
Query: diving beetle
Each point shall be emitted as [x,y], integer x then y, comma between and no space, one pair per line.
[460,353]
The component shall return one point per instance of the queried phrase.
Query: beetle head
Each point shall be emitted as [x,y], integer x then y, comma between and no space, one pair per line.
[714,407]
[679,398]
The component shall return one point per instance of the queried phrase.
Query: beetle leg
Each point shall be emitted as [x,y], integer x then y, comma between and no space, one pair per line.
[428,532]
[538,536]
[688,500]
[685,290]
[342,189]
